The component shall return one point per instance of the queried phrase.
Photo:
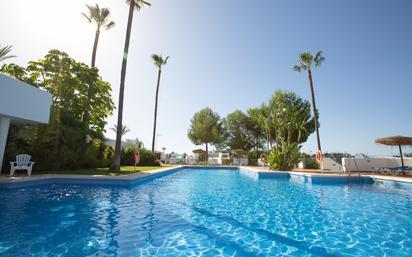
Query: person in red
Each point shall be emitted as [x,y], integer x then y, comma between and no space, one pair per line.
[136,157]
[262,160]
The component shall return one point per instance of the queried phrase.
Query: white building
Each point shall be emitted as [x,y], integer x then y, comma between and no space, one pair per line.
[20,103]
[218,158]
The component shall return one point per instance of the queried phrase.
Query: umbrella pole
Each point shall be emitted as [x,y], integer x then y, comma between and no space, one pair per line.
[403,164]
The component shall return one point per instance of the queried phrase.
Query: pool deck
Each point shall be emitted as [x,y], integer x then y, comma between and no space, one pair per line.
[22,181]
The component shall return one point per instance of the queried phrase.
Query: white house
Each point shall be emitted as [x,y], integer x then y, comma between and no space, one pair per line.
[20,103]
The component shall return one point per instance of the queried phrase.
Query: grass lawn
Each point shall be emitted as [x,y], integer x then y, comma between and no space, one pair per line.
[103,171]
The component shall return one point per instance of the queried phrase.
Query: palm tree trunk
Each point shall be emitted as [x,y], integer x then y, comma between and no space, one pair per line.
[155,112]
[96,41]
[315,115]
[116,161]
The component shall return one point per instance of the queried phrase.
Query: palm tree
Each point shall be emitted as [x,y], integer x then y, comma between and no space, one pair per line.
[4,53]
[159,62]
[123,131]
[133,4]
[101,17]
[307,61]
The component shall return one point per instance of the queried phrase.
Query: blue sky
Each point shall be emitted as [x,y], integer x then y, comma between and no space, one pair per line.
[234,54]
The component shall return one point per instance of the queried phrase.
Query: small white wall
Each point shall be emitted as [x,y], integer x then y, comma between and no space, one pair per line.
[371,164]
[23,102]
[329,164]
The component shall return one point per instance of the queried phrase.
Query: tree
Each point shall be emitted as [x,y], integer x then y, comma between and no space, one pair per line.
[133,4]
[205,128]
[159,61]
[238,135]
[291,119]
[124,129]
[5,53]
[63,142]
[101,17]
[307,61]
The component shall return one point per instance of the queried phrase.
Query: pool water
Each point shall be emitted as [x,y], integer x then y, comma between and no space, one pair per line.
[208,212]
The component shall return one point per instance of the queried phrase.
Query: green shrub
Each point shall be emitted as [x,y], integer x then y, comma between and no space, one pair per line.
[284,157]
[227,161]
[147,158]
[310,163]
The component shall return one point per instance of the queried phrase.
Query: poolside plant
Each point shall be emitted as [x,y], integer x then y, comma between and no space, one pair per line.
[284,156]
[138,5]
[307,63]
[159,61]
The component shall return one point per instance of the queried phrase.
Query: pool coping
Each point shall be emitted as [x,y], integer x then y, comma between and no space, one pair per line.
[264,173]
[125,180]
[19,182]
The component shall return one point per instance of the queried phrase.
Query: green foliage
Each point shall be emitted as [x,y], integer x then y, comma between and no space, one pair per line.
[159,61]
[65,143]
[286,117]
[206,128]
[285,156]
[309,162]
[307,61]
[291,119]
[240,131]
[147,157]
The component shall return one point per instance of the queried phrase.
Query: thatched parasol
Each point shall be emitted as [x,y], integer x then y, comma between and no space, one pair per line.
[240,152]
[395,141]
[199,151]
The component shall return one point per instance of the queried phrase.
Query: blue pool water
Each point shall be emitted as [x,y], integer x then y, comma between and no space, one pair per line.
[208,212]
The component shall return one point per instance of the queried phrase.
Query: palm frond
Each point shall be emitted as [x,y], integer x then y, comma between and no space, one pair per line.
[86,17]
[297,68]
[158,60]
[99,15]
[4,53]
[139,4]
[319,58]
[109,25]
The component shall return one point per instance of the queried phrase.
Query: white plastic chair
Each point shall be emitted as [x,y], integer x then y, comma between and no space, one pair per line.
[22,163]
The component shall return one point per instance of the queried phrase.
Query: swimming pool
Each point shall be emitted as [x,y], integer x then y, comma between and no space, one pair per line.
[208,212]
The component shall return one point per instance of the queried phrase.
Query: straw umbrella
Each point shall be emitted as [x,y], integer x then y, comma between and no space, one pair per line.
[396,141]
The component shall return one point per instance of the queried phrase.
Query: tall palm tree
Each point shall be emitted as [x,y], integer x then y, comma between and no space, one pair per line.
[158,62]
[101,17]
[4,53]
[307,62]
[138,5]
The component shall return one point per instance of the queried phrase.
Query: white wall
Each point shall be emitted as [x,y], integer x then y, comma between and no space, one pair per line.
[371,164]
[22,102]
